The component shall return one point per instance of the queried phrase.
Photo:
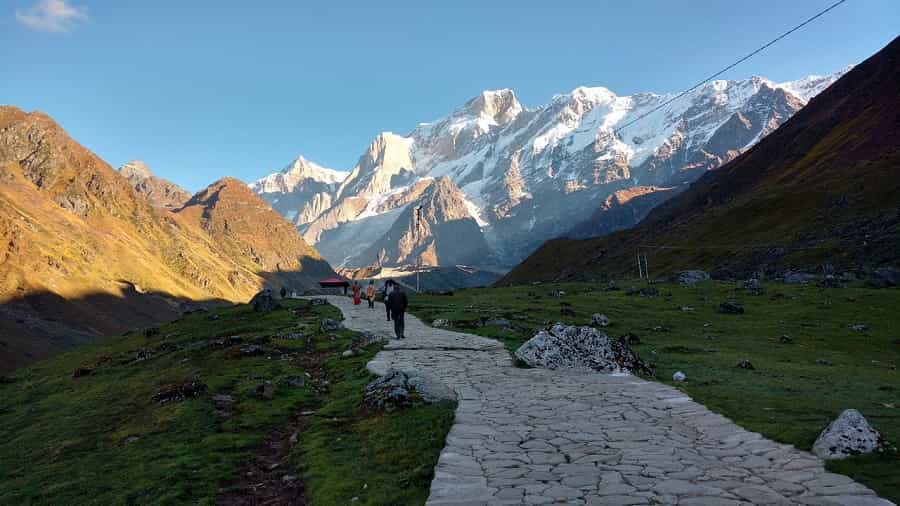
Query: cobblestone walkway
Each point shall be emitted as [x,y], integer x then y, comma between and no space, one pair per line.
[534,436]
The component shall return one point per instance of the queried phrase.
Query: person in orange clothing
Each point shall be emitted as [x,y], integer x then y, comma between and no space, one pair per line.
[370,294]
[356,293]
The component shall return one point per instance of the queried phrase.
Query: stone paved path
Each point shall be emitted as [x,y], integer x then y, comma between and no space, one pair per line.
[535,436]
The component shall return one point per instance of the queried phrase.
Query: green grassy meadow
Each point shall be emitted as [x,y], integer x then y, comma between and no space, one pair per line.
[101,439]
[794,390]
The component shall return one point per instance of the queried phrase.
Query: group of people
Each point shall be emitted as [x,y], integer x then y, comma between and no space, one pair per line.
[395,302]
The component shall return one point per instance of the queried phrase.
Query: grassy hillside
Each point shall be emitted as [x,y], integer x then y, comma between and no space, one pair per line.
[823,188]
[794,390]
[88,427]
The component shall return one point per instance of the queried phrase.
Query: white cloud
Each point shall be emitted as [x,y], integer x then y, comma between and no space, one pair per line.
[51,16]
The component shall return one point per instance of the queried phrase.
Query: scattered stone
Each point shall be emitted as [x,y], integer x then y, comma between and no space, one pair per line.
[661,328]
[830,281]
[691,277]
[143,354]
[131,440]
[180,392]
[731,307]
[630,339]
[679,376]
[347,353]
[564,346]
[82,372]
[265,390]
[599,320]
[151,331]
[293,381]
[796,278]
[366,338]
[822,361]
[223,400]
[307,413]
[295,438]
[859,327]
[329,325]
[745,364]
[687,309]
[292,336]
[213,317]
[849,434]
[253,350]
[497,322]
[884,277]
[264,302]
[612,286]
[440,322]
[164,347]
[785,339]
[398,389]
[753,286]
[648,291]
[318,302]
[556,293]
[289,478]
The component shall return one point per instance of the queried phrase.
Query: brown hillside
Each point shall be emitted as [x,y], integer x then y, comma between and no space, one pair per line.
[823,188]
[73,229]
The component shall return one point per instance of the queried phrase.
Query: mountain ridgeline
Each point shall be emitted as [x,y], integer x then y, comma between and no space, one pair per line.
[494,180]
[88,251]
[822,189]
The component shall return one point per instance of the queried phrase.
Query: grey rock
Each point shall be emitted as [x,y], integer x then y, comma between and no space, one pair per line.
[395,390]
[849,434]
[886,276]
[831,281]
[440,322]
[253,350]
[785,339]
[292,336]
[691,277]
[347,353]
[599,320]
[731,307]
[318,302]
[143,354]
[797,278]
[497,322]
[822,361]
[859,327]
[264,301]
[679,376]
[564,346]
[745,364]
[329,325]
[753,286]
[265,390]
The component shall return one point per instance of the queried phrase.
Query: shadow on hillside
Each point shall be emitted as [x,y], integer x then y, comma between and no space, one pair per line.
[39,324]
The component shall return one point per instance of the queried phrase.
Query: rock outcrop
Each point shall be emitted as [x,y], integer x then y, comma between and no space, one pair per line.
[564,346]
[849,434]
[399,389]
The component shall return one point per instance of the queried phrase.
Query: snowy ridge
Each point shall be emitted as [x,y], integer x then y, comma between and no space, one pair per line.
[528,174]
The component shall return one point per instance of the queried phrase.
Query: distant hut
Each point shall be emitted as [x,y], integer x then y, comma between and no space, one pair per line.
[335,285]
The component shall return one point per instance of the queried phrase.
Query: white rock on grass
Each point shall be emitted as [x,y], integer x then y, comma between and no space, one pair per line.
[849,434]
[564,346]
[678,376]
[599,320]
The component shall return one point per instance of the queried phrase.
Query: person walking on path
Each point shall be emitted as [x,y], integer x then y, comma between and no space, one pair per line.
[397,304]
[356,293]
[370,294]
[385,293]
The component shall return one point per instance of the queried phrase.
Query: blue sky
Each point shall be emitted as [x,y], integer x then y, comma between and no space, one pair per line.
[202,89]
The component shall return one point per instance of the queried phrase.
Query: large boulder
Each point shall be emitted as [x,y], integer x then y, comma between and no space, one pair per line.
[849,434]
[691,277]
[398,389]
[329,325]
[565,346]
[264,301]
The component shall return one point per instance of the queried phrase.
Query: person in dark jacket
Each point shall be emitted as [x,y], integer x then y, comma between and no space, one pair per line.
[385,293]
[397,304]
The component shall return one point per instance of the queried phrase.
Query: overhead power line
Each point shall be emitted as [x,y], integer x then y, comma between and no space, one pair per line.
[726,69]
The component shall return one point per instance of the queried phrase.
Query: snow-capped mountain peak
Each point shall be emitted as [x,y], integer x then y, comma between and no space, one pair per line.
[295,173]
[515,176]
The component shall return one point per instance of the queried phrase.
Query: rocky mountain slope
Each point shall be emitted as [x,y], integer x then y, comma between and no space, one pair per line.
[158,191]
[822,189]
[525,175]
[83,254]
